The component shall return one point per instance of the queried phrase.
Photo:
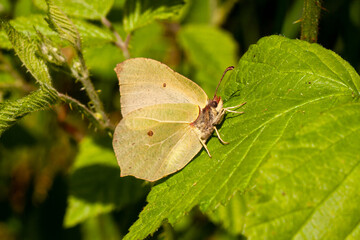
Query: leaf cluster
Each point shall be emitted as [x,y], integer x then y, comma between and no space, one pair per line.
[291,169]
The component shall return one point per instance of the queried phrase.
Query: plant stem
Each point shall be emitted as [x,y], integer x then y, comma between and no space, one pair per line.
[83,109]
[310,20]
[80,71]
[90,90]
[123,45]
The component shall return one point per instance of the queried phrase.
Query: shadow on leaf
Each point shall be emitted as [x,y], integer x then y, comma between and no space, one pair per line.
[102,184]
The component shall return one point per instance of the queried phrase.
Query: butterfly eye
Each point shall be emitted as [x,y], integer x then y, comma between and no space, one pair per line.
[214,104]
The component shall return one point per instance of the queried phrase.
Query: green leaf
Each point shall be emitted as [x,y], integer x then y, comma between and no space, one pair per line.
[4,6]
[26,49]
[231,217]
[310,182]
[101,60]
[4,41]
[87,9]
[6,80]
[12,111]
[95,183]
[211,50]
[101,227]
[91,35]
[23,8]
[320,180]
[286,84]
[63,25]
[155,46]
[138,13]
[199,12]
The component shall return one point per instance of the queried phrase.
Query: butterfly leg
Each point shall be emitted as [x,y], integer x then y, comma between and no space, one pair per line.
[204,145]
[233,111]
[218,135]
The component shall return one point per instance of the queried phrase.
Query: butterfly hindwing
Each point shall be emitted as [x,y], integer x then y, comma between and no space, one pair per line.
[155,141]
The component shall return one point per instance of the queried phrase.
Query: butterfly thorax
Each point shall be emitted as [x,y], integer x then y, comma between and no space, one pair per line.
[211,115]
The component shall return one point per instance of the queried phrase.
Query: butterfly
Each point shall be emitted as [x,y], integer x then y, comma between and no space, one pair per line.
[167,119]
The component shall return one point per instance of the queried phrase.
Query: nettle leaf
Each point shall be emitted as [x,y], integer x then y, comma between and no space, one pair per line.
[101,227]
[63,25]
[200,12]
[91,35]
[308,188]
[211,50]
[12,111]
[26,49]
[25,25]
[231,217]
[95,183]
[286,83]
[87,9]
[155,46]
[138,13]
[109,54]
[312,189]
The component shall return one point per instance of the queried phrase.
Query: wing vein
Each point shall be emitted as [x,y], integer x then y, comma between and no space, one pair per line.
[160,121]
[161,142]
[172,149]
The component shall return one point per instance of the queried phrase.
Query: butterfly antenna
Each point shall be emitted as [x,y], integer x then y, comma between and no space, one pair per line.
[227,69]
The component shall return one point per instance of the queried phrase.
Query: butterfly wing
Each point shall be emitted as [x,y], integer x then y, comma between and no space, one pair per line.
[155,141]
[145,82]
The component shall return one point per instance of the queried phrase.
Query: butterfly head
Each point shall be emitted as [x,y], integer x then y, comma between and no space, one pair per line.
[216,104]
[215,110]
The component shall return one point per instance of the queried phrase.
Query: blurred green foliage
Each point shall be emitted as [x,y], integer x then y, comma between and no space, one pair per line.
[58,175]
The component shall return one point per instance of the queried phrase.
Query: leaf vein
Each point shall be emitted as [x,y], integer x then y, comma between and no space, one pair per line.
[334,189]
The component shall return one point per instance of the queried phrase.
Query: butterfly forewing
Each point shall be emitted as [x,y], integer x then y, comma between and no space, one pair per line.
[145,82]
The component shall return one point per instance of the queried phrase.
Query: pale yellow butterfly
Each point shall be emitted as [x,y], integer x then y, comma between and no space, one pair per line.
[167,119]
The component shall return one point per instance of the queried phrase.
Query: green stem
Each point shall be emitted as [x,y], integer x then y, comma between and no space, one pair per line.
[310,20]
[123,45]
[83,109]
[91,92]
